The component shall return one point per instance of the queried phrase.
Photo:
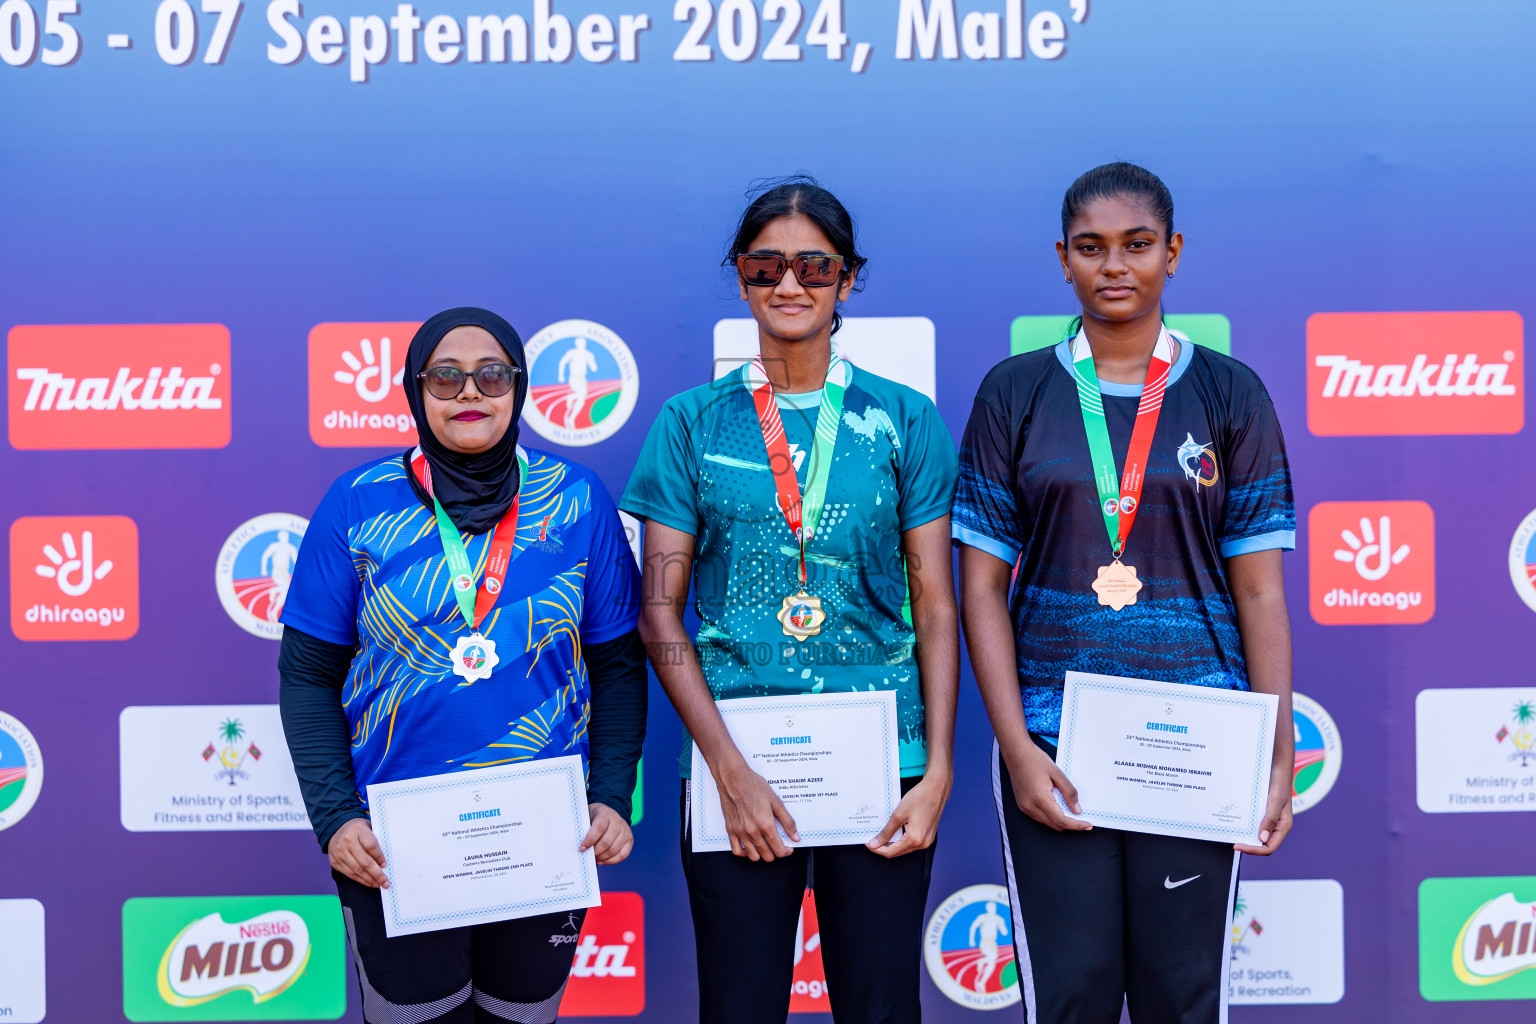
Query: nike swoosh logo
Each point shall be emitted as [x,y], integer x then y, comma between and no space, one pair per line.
[1169,883]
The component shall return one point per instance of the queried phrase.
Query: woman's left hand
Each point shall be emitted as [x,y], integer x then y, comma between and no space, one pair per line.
[609,837]
[918,813]
[1277,816]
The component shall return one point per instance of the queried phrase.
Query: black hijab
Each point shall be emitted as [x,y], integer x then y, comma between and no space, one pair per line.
[475,490]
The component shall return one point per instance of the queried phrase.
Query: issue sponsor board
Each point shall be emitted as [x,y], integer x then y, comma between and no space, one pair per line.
[1476,749]
[356,385]
[608,971]
[23,971]
[1371,562]
[1415,373]
[207,768]
[74,578]
[899,348]
[1477,938]
[1287,943]
[233,958]
[119,386]
[1208,330]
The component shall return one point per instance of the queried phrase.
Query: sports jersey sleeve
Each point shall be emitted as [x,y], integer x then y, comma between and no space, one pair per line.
[1260,512]
[986,511]
[926,485]
[664,486]
[610,593]
[322,595]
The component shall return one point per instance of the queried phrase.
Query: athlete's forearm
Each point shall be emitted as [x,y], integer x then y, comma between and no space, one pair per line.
[989,639]
[1258,594]
[935,620]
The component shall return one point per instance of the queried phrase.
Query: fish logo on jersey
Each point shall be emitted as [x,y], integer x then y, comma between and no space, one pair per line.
[1198,460]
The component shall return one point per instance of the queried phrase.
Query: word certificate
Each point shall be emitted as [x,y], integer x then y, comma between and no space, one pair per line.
[1168,758]
[484,845]
[832,758]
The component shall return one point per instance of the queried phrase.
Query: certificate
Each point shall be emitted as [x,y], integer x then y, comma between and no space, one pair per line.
[484,845]
[831,757]
[1168,758]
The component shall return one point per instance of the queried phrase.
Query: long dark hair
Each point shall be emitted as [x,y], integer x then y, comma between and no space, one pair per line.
[801,194]
[1118,179]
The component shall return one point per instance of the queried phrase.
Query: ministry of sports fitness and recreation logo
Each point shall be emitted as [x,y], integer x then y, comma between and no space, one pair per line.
[968,948]
[356,385]
[21,771]
[1371,562]
[119,386]
[1518,735]
[74,578]
[254,569]
[233,958]
[229,751]
[1415,373]
[1522,561]
[582,383]
[1319,754]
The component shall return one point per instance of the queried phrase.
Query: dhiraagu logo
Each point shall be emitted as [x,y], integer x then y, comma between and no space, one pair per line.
[233,958]
[1477,938]
[1209,330]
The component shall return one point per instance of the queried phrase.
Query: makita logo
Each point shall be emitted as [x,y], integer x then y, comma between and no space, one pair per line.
[1415,373]
[1350,377]
[119,386]
[608,966]
[156,389]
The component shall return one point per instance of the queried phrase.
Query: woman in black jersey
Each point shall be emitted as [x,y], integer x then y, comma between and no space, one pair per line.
[1102,916]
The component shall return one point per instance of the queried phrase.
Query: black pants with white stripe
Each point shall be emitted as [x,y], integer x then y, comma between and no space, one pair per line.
[1105,917]
[506,971]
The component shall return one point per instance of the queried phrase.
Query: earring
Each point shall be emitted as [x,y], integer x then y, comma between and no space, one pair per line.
[1170,277]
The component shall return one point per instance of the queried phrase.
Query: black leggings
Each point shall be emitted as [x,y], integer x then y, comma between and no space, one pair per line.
[870,911]
[1104,918]
[506,971]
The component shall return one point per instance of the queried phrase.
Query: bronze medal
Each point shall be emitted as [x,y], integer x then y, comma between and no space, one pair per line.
[1117,584]
[801,616]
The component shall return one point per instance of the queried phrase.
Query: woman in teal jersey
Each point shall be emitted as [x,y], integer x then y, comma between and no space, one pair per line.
[870,592]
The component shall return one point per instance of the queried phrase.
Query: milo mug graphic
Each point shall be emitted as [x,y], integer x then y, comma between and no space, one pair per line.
[233,958]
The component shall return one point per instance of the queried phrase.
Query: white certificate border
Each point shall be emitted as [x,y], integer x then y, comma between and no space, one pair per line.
[1260,791]
[795,702]
[456,781]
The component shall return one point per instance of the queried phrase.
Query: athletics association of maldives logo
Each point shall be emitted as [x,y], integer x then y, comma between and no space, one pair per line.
[356,385]
[119,386]
[21,771]
[254,569]
[74,578]
[1522,561]
[582,383]
[1319,754]
[1415,373]
[968,948]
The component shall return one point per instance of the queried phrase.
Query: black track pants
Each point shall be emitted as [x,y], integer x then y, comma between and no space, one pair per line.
[506,971]
[870,911]
[1105,917]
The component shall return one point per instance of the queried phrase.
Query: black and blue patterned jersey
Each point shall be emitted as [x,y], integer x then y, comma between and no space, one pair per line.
[1217,485]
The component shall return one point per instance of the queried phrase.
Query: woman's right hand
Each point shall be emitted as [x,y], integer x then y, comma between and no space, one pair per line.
[1035,778]
[753,814]
[355,853]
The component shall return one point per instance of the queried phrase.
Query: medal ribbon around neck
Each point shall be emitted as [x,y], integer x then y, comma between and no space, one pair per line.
[802,516]
[1119,502]
[502,550]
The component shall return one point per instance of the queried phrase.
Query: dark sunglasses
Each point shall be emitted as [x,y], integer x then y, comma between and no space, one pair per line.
[446,382]
[812,269]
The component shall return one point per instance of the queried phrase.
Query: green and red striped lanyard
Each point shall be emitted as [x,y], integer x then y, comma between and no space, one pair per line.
[1119,501]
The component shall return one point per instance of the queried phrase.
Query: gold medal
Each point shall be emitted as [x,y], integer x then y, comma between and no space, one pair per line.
[1117,585]
[801,616]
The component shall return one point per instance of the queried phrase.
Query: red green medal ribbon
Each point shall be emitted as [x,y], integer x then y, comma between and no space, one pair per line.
[801,515]
[475,606]
[1118,501]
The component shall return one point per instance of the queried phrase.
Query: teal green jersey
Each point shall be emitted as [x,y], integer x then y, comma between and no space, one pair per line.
[704,470]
